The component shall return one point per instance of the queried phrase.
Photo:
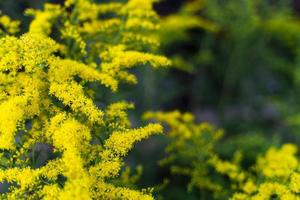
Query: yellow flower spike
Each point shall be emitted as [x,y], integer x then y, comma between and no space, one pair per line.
[78,102]
[62,85]
[295,182]
[117,116]
[249,187]
[105,26]
[71,32]
[109,7]
[64,70]
[50,192]
[239,196]
[43,21]
[119,143]
[8,123]
[71,137]
[117,59]
[20,108]
[115,193]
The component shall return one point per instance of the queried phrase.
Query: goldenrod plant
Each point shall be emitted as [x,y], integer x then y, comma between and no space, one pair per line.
[192,153]
[274,176]
[46,100]
[66,120]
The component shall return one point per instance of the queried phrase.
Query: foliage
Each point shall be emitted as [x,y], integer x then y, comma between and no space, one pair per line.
[242,59]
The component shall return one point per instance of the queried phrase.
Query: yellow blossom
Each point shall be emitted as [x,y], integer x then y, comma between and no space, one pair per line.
[46,99]
[295,182]
[279,162]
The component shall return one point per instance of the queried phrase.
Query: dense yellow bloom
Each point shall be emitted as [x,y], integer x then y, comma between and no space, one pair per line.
[27,53]
[268,190]
[295,182]
[44,19]
[278,162]
[46,99]
[277,176]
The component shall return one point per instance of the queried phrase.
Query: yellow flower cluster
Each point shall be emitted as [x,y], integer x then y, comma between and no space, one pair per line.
[192,153]
[119,35]
[230,169]
[278,162]
[8,26]
[116,62]
[46,99]
[276,175]
[191,150]
[44,19]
